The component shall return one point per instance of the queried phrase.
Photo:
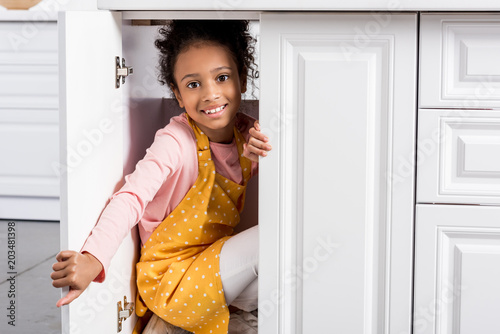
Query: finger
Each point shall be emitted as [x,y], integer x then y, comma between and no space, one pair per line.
[67,270]
[257,151]
[65,280]
[64,277]
[72,295]
[55,275]
[259,144]
[257,125]
[247,154]
[257,134]
[64,255]
[59,265]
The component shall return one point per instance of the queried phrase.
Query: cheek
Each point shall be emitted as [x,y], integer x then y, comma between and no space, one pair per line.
[236,91]
[188,97]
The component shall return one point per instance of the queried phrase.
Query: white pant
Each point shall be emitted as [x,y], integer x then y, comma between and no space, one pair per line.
[239,269]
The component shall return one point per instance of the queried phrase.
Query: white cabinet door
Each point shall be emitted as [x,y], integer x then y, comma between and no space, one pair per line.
[456,269]
[92,160]
[336,193]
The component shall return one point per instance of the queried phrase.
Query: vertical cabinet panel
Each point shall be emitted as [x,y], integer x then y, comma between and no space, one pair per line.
[336,216]
[92,160]
[458,158]
[457,272]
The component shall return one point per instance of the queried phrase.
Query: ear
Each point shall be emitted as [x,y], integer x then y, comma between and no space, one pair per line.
[178,96]
[243,80]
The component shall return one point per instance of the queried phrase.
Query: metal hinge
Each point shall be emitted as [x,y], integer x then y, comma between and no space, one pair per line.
[122,71]
[125,312]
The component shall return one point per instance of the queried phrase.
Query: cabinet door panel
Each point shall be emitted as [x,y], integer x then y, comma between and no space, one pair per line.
[459,64]
[337,100]
[92,160]
[456,269]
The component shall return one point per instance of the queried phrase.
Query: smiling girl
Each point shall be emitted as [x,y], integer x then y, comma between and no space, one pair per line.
[186,194]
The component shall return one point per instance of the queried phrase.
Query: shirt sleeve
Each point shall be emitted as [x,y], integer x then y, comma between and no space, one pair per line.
[126,207]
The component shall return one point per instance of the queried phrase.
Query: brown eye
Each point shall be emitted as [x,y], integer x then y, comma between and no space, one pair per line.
[193,85]
[222,78]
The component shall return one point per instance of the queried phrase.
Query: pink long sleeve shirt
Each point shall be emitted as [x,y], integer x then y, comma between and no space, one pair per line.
[158,184]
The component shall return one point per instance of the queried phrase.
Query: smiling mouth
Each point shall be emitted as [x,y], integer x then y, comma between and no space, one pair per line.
[215,110]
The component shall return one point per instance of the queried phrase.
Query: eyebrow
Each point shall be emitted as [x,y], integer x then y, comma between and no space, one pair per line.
[194,75]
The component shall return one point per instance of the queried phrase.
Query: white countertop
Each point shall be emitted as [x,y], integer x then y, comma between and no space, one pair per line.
[303,5]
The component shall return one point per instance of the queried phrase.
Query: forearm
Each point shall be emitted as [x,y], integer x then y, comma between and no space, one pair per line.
[116,221]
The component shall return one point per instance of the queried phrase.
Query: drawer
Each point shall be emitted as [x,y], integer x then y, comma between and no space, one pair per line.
[460,61]
[28,66]
[458,156]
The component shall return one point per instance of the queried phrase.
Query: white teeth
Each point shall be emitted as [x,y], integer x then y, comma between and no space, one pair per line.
[212,111]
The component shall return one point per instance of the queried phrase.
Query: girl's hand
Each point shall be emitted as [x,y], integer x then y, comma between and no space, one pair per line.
[257,145]
[75,270]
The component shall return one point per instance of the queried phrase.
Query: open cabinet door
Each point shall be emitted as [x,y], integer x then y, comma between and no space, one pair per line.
[91,164]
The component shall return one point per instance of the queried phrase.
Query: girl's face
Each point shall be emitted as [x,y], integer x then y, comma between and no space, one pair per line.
[209,88]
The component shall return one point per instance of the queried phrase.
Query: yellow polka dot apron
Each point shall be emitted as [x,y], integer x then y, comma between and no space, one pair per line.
[178,275]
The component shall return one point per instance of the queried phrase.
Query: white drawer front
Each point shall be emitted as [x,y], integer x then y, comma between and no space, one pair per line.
[28,66]
[458,157]
[460,61]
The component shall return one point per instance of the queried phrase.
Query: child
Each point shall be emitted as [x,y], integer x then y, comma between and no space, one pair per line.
[187,192]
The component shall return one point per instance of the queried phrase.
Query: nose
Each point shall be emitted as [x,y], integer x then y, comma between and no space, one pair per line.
[211,91]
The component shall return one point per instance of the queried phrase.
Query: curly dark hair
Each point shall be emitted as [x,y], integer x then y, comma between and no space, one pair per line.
[177,35]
